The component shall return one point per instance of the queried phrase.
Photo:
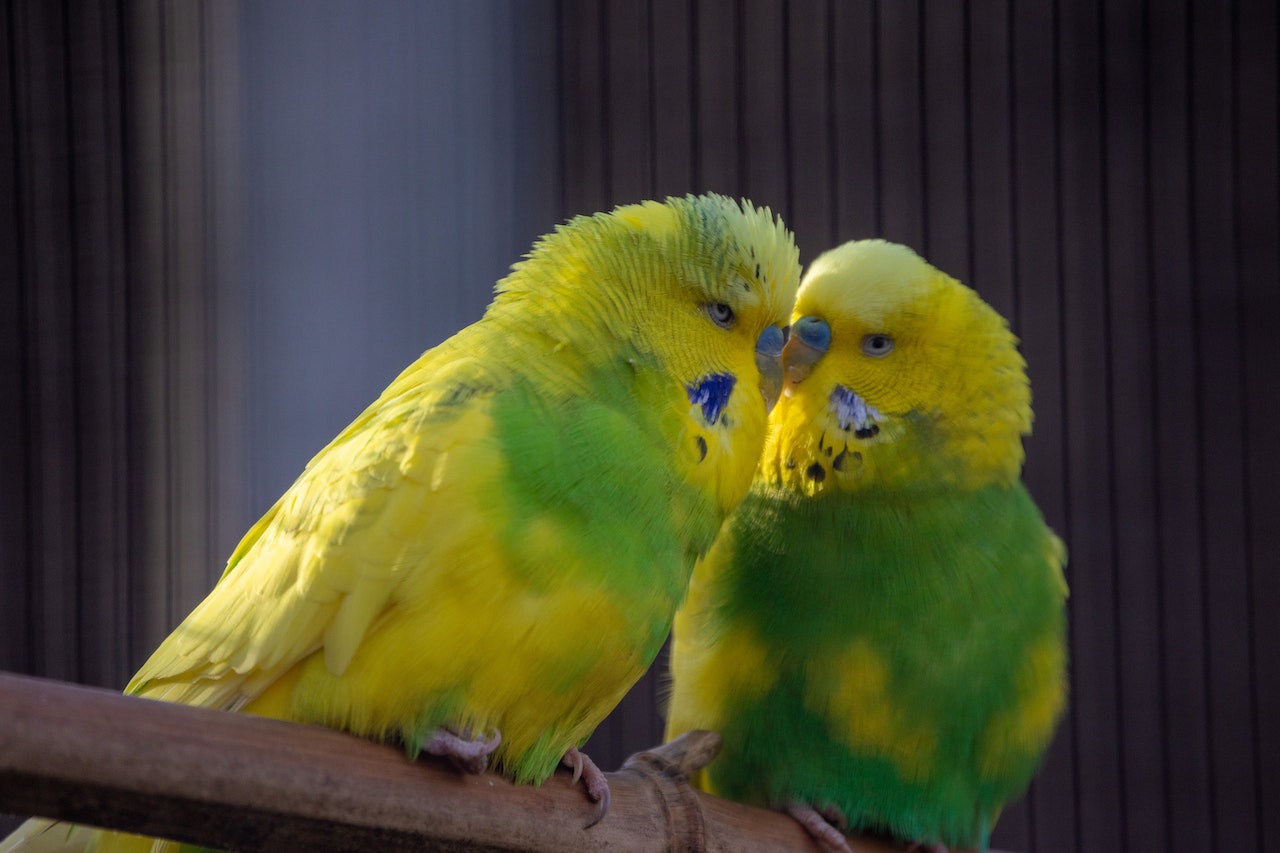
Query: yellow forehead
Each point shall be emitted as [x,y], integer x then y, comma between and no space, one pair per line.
[745,255]
[874,281]
[659,221]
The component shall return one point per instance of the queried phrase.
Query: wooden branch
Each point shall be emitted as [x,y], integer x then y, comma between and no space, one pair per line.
[246,783]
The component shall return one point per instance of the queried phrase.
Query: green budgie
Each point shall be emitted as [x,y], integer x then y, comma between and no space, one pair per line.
[878,633]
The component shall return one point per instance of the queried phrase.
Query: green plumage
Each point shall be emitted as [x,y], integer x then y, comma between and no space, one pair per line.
[572,457]
[949,591]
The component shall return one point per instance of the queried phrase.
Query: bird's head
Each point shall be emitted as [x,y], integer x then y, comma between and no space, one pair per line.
[897,377]
[682,302]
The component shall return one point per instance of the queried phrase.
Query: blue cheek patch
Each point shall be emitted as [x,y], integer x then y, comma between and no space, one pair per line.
[712,394]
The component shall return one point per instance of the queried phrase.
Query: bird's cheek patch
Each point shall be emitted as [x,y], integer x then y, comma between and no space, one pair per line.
[712,395]
[853,413]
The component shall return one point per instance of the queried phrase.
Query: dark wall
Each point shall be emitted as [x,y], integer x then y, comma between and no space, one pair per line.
[1105,174]
[224,227]
[118,360]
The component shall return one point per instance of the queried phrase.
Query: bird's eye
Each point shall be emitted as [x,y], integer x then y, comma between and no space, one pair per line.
[877,345]
[720,314]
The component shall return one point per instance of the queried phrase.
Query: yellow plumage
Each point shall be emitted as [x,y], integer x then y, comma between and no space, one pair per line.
[499,542]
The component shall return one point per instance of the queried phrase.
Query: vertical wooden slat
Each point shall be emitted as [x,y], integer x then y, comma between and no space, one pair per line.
[671,90]
[808,127]
[1138,793]
[89,318]
[43,61]
[1038,321]
[1176,432]
[94,88]
[583,96]
[763,81]
[855,137]
[1216,305]
[900,69]
[1086,419]
[718,61]
[148,389]
[15,526]
[989,140]
[1256,222]
[167,325]
[945,112]
[630,121]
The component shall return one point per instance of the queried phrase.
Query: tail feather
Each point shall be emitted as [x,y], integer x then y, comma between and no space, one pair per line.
[41,835]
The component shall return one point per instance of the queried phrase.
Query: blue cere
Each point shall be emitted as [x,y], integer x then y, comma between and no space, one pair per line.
[770,342]
[813,331]
[712,394]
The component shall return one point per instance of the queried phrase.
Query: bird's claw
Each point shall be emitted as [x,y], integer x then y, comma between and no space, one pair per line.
[597,785]
[468,755]
[819,825]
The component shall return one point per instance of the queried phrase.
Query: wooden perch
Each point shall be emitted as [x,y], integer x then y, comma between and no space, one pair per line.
[246,783]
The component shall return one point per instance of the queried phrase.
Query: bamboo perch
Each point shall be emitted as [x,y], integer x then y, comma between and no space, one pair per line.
[246,783]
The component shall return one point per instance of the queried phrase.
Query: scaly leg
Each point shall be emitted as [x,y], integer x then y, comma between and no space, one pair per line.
[597,785]
[819,826]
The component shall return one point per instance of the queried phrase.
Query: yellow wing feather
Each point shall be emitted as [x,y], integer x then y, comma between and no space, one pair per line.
[325,562]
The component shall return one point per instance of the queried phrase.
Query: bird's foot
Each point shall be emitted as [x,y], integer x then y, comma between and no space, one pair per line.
[470,755]
[591,775]
[819,825]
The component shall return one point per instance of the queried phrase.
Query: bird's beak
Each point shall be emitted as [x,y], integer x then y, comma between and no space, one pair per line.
[810,340]
[769,361]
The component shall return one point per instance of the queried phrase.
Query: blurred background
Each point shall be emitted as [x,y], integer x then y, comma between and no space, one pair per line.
[225,227]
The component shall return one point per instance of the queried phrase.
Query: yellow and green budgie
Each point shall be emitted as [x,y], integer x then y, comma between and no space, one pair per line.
[879,631]
[492,553]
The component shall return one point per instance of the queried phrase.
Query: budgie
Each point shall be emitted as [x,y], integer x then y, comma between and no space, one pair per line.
[492,553]
[879,631]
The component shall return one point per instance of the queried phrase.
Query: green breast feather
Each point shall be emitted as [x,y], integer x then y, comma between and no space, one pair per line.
[911,680]
[600,467]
